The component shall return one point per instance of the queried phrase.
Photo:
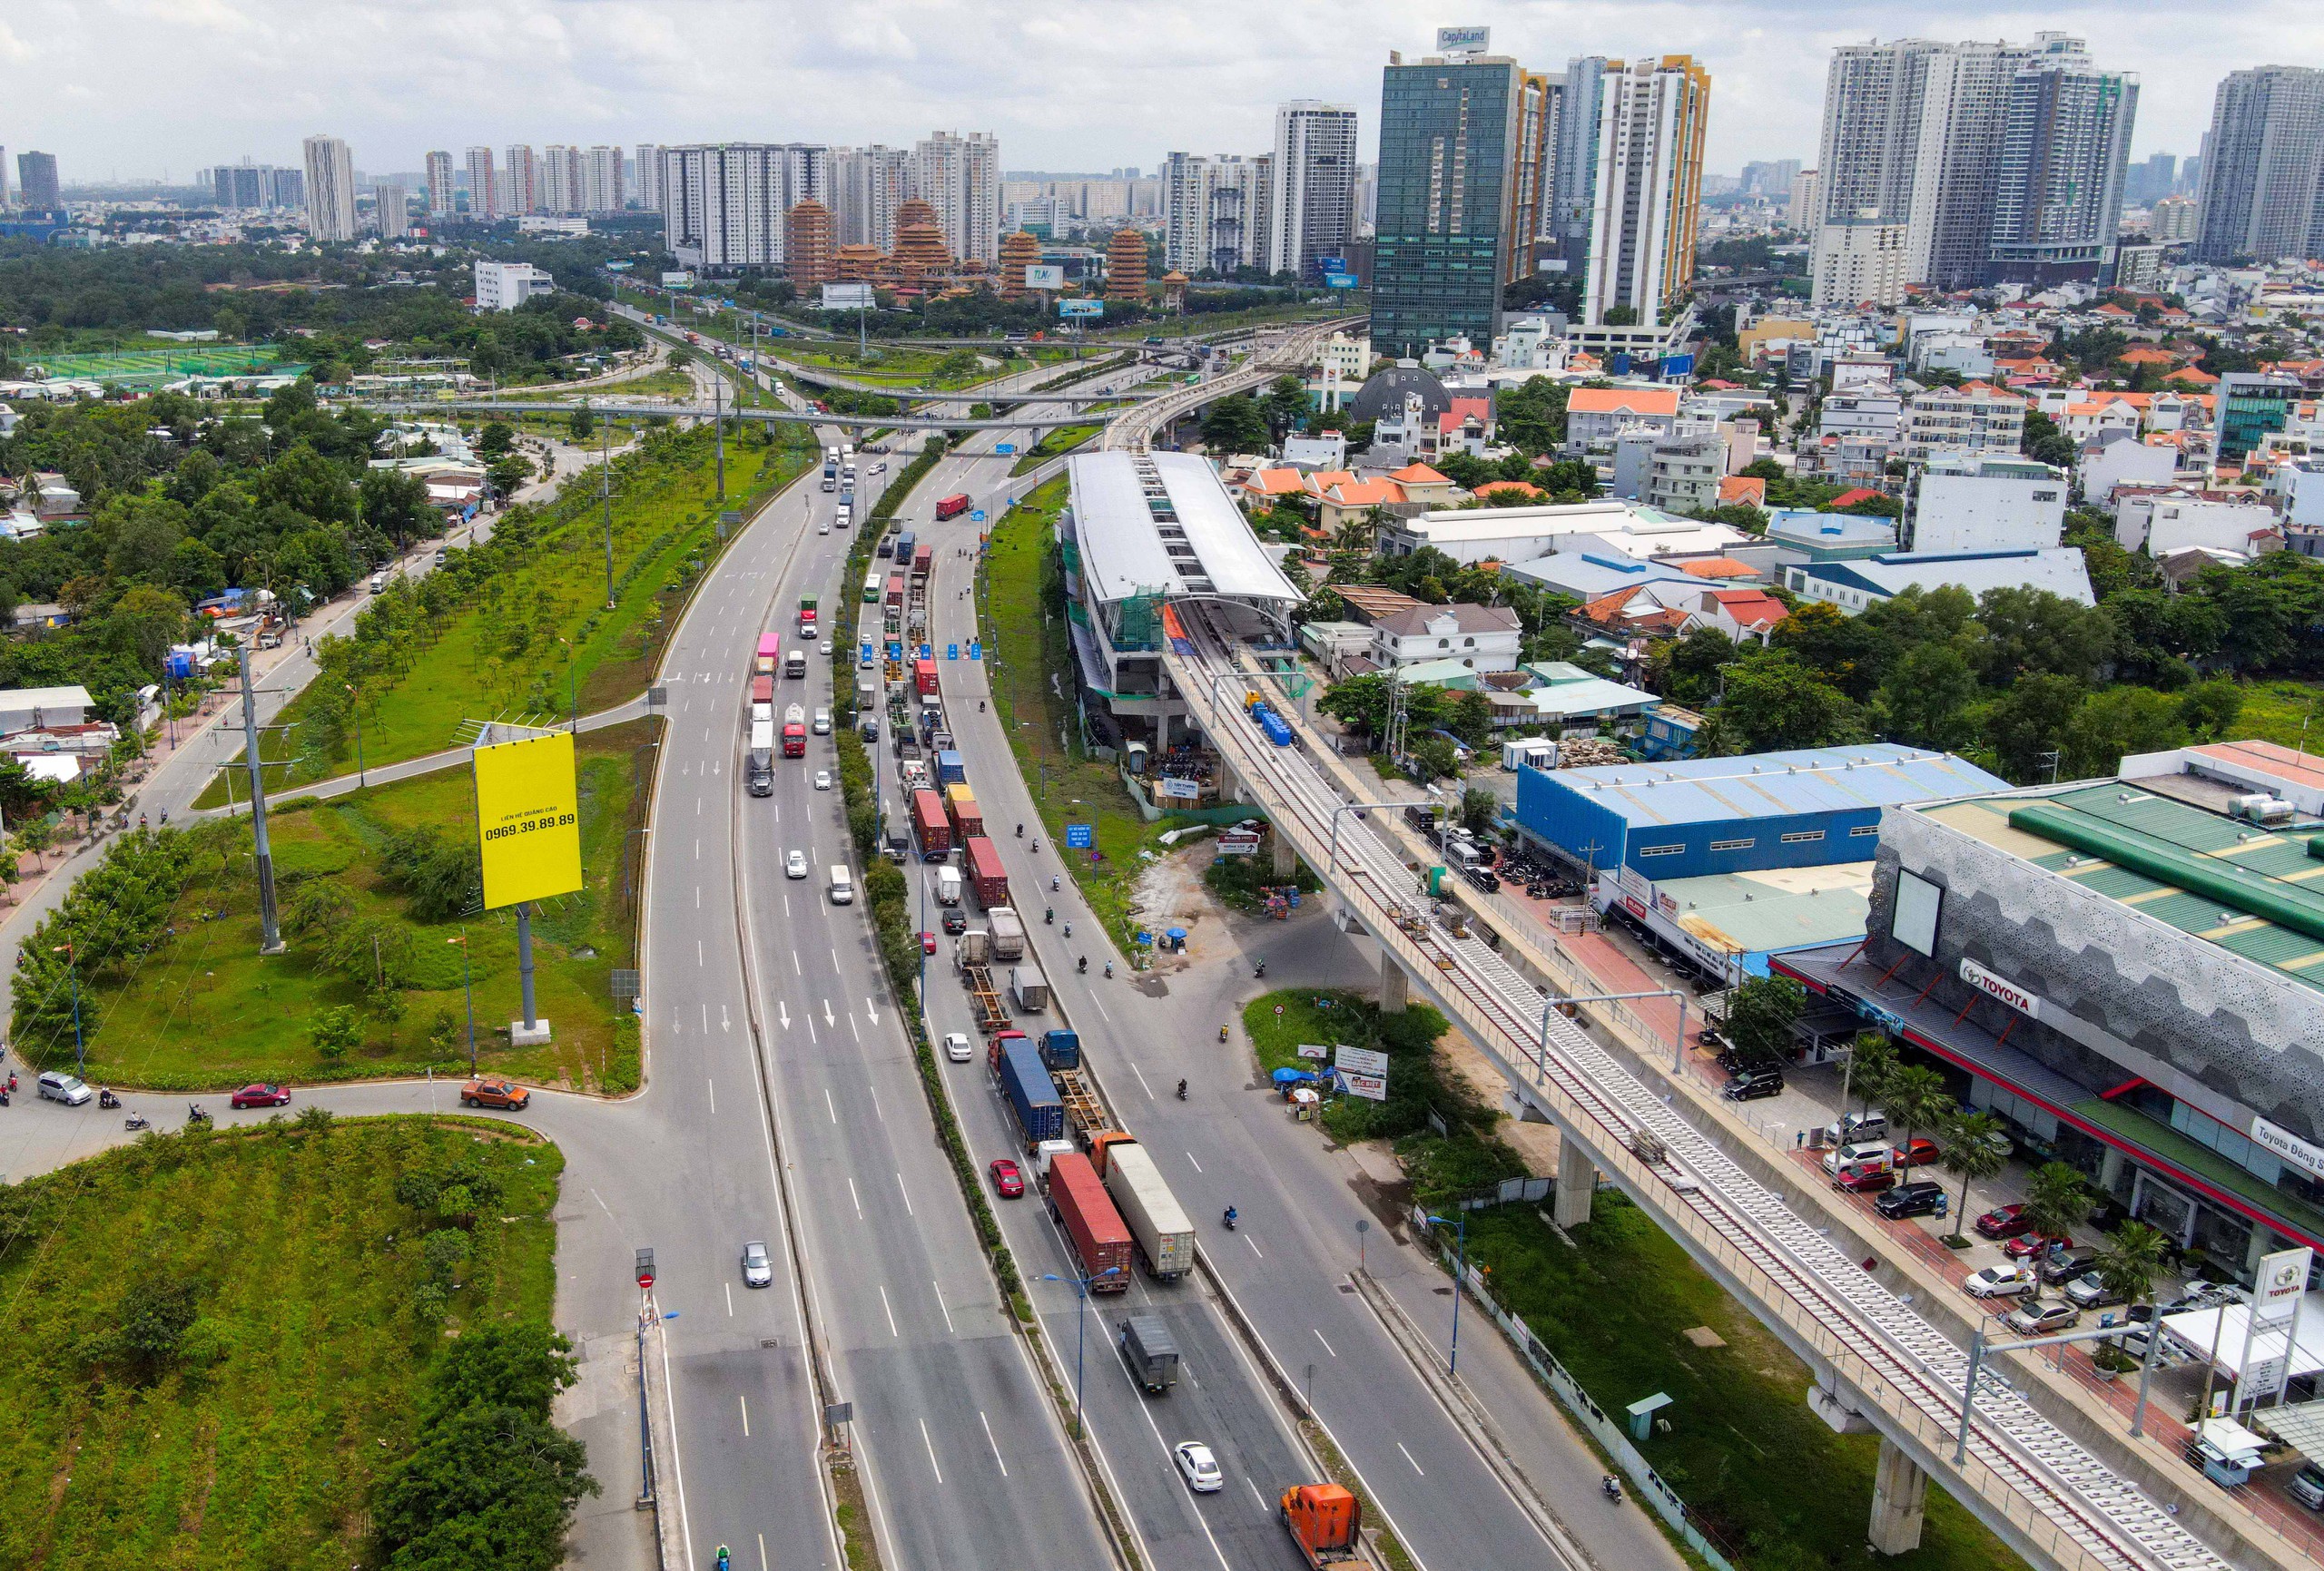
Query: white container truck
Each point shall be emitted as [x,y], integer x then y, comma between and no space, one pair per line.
[947,886]
[1029,988]
[1164,1235]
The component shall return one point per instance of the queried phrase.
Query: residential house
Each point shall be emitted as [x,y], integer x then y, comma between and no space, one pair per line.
[1327,450]
[1566,701]
[1262,489]
[1345,499]
[1972,502]
[1974,419]
[1595,416]
[1481,637]
[1851,585]
[2114,459]
[2160,522]
[1476,534]
[1669,733]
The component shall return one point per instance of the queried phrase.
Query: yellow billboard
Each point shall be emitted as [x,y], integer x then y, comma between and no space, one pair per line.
[528,819]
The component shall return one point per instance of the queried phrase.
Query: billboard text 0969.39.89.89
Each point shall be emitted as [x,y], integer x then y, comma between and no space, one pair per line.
[528,819]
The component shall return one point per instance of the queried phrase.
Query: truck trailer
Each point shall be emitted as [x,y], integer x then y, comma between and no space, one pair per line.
[1151,1352]
[1032,1097]
[794,731]
[1164,1234]
[931,827]
[1008,934]
[987,877]
[762,772]
[1101,1243]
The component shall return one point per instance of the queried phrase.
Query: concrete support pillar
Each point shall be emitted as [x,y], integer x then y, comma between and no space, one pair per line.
[2109,1171]
[1577,1178]
[1286,860]
[2262,1241]
[1392,984]
[1899,1502]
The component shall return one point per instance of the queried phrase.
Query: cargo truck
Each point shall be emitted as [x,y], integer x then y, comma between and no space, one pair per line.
[762,699]
[947,886]
[770,650]
[923,677]
[1151,1352]
[968,819]
[1032,1097]
[1164,1234]
[806,616]
[931,827]
[987,877]
[924,561]
[1324,1520]
[1008,934]
[952,507]
[1101,1243]
[1028,987]
[794,731]
[903,549]
[1061,1049]
[950,769]
[761,775]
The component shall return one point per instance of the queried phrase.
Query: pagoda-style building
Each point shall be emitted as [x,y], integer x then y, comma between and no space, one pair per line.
[1018,251]
[1126,267]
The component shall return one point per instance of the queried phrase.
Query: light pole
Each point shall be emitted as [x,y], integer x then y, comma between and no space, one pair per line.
[1679,1042]
[1081,1328]
[73,972]
[355,708]
[468,988]
[1459,1280]
[572,683]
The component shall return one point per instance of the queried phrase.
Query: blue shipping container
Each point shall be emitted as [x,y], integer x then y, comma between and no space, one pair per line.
[1062,1049]
[950,769]
[1032,1095]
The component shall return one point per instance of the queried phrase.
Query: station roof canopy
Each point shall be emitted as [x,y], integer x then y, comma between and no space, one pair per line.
[1149,522]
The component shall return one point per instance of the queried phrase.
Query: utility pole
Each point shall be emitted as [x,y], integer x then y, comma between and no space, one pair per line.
[270,930]
[606,490]
[718,429]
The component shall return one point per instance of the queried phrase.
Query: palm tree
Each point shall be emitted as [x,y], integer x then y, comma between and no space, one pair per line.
[1972,1151]
[1871,1061]
[1916,1099]
[1355,534]
[2130,1265]
[2057,1200]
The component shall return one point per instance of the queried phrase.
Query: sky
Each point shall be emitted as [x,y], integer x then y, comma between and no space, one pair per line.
[134,89]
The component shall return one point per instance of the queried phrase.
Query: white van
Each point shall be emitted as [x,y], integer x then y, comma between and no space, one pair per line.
[378,580]
[842,886]
[823,726]
[947,886]
[1853,1129]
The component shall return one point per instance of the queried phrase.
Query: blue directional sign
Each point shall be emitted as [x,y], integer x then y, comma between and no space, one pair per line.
[1004,448]
[976,650]
[952,652]
[927,652]
[977,516]
[1078,837]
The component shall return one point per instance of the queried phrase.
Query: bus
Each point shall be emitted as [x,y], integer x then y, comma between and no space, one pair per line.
[770,650]
[871,587]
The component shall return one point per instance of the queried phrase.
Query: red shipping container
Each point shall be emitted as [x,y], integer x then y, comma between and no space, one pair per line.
[929,822]
[923,675]
[987,877]
[762,691]
[924,561]
[952,507]
[1100,1238]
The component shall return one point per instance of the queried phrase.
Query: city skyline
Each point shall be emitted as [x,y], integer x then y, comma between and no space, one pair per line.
[270,76]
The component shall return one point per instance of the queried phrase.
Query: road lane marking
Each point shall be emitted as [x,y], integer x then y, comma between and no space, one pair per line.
[931,1449]
[705,1017]
[937,1287]
[745,1402]
[697,850]
[783,1012]
[876,1110]
[1142,1085]
[796,970]
[829,1018]
[713,1085]
[699,960]
[855,1197]
[890,1311]
[872,1010]
[762,1561]
[730,1300]
[1408,1456]
[1190,1159]
[1262,1499]
[697,897]
[905,1193]
[1328,1346]
[1255,1246]
[993,1443]
[829,1105]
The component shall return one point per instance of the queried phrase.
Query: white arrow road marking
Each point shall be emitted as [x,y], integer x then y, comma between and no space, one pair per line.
[872,1010]
[829,1018]
[725,1022]
[783,1013]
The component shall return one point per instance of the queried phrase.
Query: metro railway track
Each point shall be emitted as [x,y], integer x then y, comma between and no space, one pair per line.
[2058,1495]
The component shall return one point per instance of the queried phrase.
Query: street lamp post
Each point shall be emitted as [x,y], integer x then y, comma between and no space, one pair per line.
[1453,1364]
[1678,1045]
[468,988]
[1081,1328]
[73,973]
[355,708]
[573,683]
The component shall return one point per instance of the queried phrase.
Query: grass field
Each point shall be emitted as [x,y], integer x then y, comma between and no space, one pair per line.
[1062,440]
[257,1438]
[1020,570]
[207,1011]
[498,655]
[2274,712]
[168,363]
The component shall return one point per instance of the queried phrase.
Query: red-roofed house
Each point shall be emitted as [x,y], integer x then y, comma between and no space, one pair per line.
[1263,488]
[2188,377]
[1509,493]
[1847,499]
[1743,490]
[1597,414]
[1743,614]
[1350,500]
[1465,427]
[1426,487]
[2146,355]
[1724,569]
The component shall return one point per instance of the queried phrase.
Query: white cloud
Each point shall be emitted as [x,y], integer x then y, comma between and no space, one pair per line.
[177,84]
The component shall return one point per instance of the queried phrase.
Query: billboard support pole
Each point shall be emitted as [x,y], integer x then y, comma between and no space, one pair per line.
[269,931]
[524,956]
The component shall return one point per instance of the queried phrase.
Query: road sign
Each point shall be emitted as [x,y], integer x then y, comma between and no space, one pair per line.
[976,649]
[645,1268]
[1078,837]
[1004,448]
[952,652]
[977,516]
[927,652]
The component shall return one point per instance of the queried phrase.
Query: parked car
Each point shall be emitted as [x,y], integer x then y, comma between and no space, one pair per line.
[1752,1085]
[2001,1282]
[1006,1180]
[2307,1486]
[2066,1264]
[1865,1179]
[1913,1199]
[1870,1155]
[2035,1246]
[1854,1128]
[2003,1222]
[2035,1318]
[758,1271]
[2089,1290]
[1920,1152]
[56,1085]
[260,1095]
[2201,1294]
[495,1093]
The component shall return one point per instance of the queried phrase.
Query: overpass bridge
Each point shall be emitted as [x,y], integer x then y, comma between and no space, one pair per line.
[1876,1359]
[760,415]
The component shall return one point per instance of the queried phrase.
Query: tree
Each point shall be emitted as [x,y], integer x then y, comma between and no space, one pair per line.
[497,438]
[507,474]
[1773,703]
[582,424]
[1235,425]
[2119,720]
[1692,666]
[1917,1100]
[1479,810]
[1287,405]
[2129,1264]
[2031,630]
[2057,1200]
[1871,1061]
[334,1034]
[1843,649]
[1761,1014]
[2211,709]
[2022,725]
[1972,1151]
[1927,695]
[1619,317]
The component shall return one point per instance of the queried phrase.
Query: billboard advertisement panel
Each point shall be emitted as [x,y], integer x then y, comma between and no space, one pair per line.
[1081,308]
[1041,276]
[528,819]
[1463,40]
[848,297]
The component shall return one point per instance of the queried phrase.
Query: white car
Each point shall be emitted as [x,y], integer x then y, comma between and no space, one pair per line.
[1198,1467]
[56,1085]
[758,1271]
[831,647]
[822,528]
[955,1047]
[822,779]
[794,866]
[2002,1282]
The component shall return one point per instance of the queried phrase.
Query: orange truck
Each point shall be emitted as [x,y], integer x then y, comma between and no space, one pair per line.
[1323,1519]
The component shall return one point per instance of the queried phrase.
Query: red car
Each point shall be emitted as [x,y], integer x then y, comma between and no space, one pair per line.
[1864,1180]
[260,1095]
[1919,1153]
[2033,1245]
[1006,1180]
[2004,1222]
[927,940]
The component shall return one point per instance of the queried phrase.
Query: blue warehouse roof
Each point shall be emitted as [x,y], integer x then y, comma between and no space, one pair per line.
[1776,784]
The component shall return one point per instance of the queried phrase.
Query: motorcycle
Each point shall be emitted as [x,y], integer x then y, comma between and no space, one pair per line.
[1020,831]
[196,1114]
[1612,1488]
[1258,970]
[1048,916]
[1229,1219]
[136,1121]
[1109,970]
[1182,1091]
[1053,882]
[1222,1033]
[1081,966]
[106,1099]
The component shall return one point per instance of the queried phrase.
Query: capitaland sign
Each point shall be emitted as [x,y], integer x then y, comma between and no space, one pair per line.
[2002,989]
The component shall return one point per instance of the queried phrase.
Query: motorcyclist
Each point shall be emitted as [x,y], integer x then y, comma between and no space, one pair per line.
[1020,831]
[1231,1214]
[1068,926]
[1259,970]
[1081,966]
[1109,970]
[1182,1090]
[1611,1485]
[1222,1033]
[1049,914]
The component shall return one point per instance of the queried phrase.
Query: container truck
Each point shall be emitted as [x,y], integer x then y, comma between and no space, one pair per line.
[1151,1352]
[903,549]
[1101,1244]
[762,777]
[924,561]
[770,650]
[931,827]
[1008,934]
[952,507]
[896,591]
[762,697]
[794,731]
[1324,1520]
[923,677]
[1165,1235]
[1028,987]
[973,948]
[1102,1141]
[806,616]
[1046,1152]
[1061,1049]
[987,877]
[968,819]
[949,767]
[1032,1097]
[947,886]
